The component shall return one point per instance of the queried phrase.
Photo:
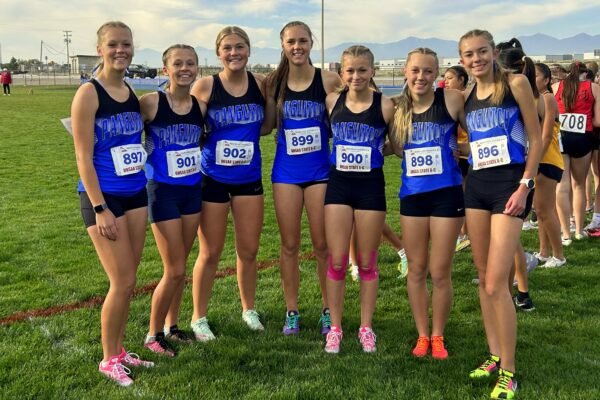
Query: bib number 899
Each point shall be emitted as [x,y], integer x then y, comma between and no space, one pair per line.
[302,140]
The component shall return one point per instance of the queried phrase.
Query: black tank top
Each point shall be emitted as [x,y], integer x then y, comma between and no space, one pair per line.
[108,106]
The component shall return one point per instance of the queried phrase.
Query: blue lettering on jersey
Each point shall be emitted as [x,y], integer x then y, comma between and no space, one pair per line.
[127,123]
[181,134]
[303,109]
[489,118]
[355,132]
[238,114]
[424,132]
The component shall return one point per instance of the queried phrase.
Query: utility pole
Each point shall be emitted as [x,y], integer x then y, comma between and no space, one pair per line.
[67,41]
[41,62]
[323,34]
[0,54]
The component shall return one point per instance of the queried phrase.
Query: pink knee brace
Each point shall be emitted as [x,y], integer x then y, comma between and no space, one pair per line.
[337,274]
[371,272]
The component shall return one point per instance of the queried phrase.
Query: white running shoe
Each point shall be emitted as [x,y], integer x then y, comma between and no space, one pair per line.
[593,225]
[554,262]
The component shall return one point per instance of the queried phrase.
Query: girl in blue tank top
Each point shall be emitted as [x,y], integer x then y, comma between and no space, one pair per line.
[432,206]
[497,193]
[174,123]
[297,92]
[355,195]
[231,166]
[107,130]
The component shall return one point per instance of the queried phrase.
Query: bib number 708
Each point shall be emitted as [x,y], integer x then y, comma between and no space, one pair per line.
[573,122]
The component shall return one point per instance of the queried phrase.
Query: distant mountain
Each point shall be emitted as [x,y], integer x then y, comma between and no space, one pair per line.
[538,44]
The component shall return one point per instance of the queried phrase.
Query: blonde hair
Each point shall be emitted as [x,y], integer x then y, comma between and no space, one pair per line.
[231,30]
[279,77]
[359,51]
[404,102]
[500,76]
[100,33]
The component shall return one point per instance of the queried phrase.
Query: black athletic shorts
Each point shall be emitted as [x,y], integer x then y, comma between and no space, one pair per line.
[167,201]
[489,189]
[218,192]
[118,205]
[359,190]
[550,171]
[446,202]
[577,145]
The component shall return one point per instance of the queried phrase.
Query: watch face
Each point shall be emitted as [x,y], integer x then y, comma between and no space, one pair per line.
[99,208]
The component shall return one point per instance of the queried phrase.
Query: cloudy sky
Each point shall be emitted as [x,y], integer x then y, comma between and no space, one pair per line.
[158,23]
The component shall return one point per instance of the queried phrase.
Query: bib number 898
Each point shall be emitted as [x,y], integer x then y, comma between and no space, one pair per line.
[420,161]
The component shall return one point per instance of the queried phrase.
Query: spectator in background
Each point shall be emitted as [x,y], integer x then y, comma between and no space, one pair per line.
[6,80]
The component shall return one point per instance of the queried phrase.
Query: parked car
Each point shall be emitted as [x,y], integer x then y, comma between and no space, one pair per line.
[140,71]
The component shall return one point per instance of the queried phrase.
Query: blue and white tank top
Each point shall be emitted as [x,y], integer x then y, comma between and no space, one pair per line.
[302,153]
[231,153]
[119,156]
[496,133]
[428,163]
[173,144]
[358,138]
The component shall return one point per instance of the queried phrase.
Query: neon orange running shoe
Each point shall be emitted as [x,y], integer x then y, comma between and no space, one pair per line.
[438,351]
[422,347]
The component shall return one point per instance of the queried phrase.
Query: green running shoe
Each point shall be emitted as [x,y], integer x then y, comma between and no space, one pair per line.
[486,369]
[506,386]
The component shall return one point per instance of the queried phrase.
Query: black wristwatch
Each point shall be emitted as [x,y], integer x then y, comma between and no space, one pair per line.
[529,183]
[100,207]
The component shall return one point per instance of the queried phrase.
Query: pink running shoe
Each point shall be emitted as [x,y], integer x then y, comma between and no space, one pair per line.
[133,360]
[333,340]
[367,339]
[157,344]
[114,370]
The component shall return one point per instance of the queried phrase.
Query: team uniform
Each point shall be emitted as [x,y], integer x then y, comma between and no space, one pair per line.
[173,167]
[356,175]
[231,160]
[119,156]
[302,155]
[498,142]
[552,163]
[431,178]
[576,125]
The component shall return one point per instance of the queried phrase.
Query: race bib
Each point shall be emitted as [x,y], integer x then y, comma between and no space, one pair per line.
[234,152]
[182,163]
[353,158]
[574,123]
[128,159]
[490,152]
[302,141]
[424,161]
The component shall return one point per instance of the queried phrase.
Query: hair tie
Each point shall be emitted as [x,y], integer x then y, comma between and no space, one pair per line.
[523,58]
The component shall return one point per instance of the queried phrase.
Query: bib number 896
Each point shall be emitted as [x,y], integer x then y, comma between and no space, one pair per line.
[486,152]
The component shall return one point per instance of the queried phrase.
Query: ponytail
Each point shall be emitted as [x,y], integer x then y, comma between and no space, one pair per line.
[571,85]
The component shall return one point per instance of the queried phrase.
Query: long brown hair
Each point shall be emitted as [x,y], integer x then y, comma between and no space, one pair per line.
[500,76]
[571,85]
[404,102]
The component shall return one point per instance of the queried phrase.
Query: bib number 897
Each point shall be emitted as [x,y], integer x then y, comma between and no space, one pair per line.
[135,158]
[486,152]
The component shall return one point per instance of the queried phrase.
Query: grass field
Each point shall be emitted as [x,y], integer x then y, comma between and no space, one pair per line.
[47,259]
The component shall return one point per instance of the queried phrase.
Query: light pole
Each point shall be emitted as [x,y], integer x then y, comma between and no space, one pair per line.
[323,34]
[67,41]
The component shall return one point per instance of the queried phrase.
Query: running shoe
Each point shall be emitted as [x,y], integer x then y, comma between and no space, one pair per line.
[540,257]
[554,262]
[593,225]
[354,273]
[422,347]
[115,370]
[325,321]
[506,386]
[333,340]
[581,236]
[438,351]
[202,330]
[403,266]
[595,233]
[367,339]
[252,319]
[177,335]
[292,323]
[527,226]
[531,261]
[566,242]
[133,360]
[157,344]
[524,305]
[462,243]
[486,369]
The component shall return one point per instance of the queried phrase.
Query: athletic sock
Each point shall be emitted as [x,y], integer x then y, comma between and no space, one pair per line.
[522,295]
